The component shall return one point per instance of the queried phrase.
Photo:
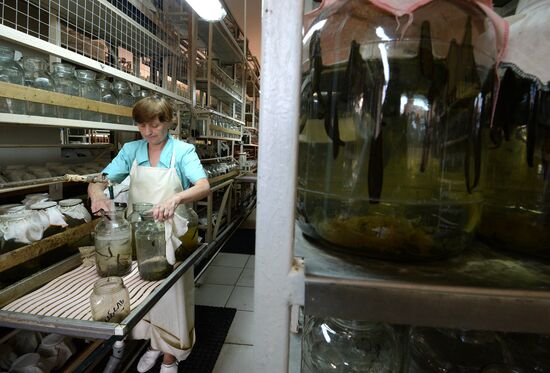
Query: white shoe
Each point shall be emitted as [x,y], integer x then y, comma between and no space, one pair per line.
[172,368]
[148,360]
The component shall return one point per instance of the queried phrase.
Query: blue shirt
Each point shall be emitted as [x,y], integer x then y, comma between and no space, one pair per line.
[186,161]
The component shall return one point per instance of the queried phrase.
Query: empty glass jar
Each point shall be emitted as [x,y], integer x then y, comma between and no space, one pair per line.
[110,300]
[90,90]
[108,96]
[444,350]
[66,83]
[113,245]
[37,76]
[134,218]
[190,240]
[124,97]
[10,72]
[336,345]
[151,248]
[390,129]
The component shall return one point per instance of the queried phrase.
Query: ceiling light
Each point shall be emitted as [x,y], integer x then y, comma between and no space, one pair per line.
[209,10]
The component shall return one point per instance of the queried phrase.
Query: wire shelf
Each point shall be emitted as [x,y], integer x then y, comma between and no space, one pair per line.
[138,41]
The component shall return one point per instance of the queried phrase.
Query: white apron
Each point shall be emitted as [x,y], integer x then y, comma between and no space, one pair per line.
[170,325]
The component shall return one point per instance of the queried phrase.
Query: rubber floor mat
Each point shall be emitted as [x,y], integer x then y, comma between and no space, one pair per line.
[211,327]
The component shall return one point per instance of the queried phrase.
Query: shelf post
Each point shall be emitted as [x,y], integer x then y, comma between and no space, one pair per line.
[281,51]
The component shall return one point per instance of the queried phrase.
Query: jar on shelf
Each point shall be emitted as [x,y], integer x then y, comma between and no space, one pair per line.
[50,215]
[31,199]
[108,96]
[113,245]
[31,362]
[134,218]
[337,345]
[151,248]
[140,93]
[110,300]
[393,111]
[190,240]
[18,173]
[74,212]
[444,350]
[20,227]
[66,83]
[11,72]
[37,76]
[55,350]
[90,90]
[124,97]
[40,172]
[516,207]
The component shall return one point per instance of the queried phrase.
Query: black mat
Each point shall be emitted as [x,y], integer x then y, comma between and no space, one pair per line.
[211,327]
[241,242]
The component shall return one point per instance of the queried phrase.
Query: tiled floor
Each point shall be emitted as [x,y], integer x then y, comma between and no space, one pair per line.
[229,282]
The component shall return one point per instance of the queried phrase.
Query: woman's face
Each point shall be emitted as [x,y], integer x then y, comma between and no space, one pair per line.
[154,131]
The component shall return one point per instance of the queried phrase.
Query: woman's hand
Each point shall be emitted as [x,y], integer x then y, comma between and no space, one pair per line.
[102,203]
[165,210]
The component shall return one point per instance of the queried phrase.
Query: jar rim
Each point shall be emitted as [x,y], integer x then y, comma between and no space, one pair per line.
[108,284]
[70,202]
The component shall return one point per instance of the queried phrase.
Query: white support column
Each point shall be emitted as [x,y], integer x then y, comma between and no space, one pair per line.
[281,52]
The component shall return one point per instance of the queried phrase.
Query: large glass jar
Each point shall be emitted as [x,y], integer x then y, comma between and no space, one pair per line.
[50,214]
[66,83]
[110,300]
[151,248]
[134,218]
[336,345]
[113,245]
[37,76]
[10,72]
[124,97]
[90,90]
[108,96]
[74,212]
[443,350]
[390,127]
[190,240]
[516,213]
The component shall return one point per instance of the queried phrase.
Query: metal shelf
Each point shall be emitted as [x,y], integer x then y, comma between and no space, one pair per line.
[218,91]
[225,47]
[201,110]
[481,289]
[61,122]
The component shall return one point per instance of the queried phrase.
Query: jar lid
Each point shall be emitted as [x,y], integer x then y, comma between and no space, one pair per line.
[43,205]
[70,202]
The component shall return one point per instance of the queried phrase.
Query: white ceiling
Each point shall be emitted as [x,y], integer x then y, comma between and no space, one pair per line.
[253,21]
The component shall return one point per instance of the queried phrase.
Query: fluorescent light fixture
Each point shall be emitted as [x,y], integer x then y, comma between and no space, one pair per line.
[209,10]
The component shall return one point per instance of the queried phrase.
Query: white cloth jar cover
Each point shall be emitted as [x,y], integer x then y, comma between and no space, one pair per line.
[22,225]
[51,211]
[170,325]
[527,51]
[75,209]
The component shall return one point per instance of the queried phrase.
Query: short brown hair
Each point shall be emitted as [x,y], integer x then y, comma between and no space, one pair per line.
[148,108]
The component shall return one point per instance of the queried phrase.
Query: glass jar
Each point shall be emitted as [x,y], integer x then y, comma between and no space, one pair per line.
[336,345]
[516,212]
[134,218]
[66,83]
[74,212]
[55,350]
[190,240]
[151,248]
[108,96]
[388,112]
[444,350]
[110,300]
[31,199]
[27,363]
[50,215]
[11,72]
[90,90]
[113,245]
[124,97]
[37,76]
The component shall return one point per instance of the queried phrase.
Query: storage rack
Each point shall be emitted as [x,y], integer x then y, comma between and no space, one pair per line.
[151,48]
[332,285]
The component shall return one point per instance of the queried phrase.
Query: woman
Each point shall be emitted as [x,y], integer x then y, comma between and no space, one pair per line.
[161,171]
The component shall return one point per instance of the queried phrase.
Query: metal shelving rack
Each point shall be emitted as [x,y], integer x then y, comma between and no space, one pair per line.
[338,285]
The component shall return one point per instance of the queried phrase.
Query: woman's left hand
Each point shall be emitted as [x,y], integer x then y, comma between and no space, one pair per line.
[165,210]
